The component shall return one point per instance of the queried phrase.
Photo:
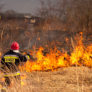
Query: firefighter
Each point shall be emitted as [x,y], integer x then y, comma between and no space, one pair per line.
[11,60]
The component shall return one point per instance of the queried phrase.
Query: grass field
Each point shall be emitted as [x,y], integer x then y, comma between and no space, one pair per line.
[70,79]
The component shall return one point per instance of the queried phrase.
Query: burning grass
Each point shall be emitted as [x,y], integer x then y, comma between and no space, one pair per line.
[80,56]
[66,79]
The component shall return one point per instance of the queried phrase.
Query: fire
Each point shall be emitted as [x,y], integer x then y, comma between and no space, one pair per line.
[51,61]
[87,57]
[77,53]
[81,55]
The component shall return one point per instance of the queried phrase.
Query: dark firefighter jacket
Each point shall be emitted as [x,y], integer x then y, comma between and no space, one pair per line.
[12,59]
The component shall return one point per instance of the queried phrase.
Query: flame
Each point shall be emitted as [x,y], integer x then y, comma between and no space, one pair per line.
[51,61]
[87,57]
[80,55]
[77,53]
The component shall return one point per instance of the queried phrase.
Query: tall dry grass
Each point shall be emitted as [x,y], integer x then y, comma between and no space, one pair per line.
[65,80]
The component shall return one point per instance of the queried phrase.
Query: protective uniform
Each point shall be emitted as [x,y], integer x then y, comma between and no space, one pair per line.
[11,60]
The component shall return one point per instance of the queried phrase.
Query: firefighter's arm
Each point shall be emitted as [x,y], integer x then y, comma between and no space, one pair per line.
[24,58]
[30,57]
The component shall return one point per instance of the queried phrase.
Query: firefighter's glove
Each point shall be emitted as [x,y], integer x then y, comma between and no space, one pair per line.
[30,57]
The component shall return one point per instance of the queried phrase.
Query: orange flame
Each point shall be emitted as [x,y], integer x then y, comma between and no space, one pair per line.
[51,61]
[81,55]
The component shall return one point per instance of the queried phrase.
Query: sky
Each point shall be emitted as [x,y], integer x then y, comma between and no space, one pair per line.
[21,6]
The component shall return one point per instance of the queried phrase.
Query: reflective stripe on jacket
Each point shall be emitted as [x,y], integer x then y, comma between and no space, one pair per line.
[12,59]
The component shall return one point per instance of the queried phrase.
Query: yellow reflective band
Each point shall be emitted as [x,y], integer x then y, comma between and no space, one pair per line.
[12,74]
[10,58]
[27,57]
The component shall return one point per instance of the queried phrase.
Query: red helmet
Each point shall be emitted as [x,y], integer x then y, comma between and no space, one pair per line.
[15,46]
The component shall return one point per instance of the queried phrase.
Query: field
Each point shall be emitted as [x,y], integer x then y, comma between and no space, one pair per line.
[69,79]
[62,50]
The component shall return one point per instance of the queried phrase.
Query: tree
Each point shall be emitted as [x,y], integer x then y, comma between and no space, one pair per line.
[75,14]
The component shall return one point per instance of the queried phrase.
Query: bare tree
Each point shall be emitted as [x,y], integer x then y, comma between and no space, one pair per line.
[79,14]
[75,14]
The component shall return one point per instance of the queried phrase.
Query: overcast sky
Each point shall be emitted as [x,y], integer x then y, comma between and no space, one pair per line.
[23,6]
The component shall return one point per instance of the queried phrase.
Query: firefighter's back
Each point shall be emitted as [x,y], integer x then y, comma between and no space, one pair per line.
[10,60]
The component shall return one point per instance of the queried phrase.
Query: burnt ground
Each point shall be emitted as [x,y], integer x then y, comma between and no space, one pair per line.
[69,79]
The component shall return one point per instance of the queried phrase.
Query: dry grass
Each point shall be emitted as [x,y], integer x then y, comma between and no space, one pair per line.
[70,79]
